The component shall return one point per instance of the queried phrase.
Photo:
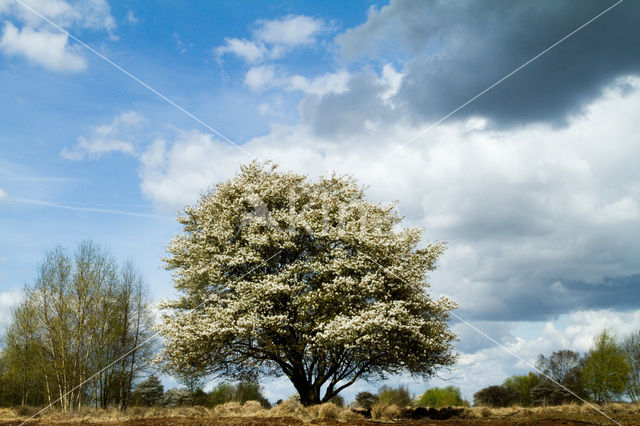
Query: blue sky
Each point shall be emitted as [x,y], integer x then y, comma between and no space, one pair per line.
[534,185]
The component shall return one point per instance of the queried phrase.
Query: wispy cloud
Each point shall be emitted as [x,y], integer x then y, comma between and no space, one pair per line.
[117,136]
[87,209]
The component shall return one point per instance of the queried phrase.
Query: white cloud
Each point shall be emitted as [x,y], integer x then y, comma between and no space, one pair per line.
[42,47]
[3,195]
[8,300]
[174,173]
[521,209]
[247,50]
[118,136]
[264,77]
[260,77]
[327,83]
[34,39]
[92,14]
[131,18]
[290,30]
[272,39]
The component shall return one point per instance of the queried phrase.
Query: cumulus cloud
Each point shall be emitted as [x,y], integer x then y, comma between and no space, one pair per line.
[48,49]
[273,38]
[247,50]
[264,77]
[454,49]
[540,220]
[27,35]
[259,77]
[177,172]
[92,14]
[118,136]
[290,30]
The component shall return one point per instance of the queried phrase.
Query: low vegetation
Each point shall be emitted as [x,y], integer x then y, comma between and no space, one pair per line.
[623,413]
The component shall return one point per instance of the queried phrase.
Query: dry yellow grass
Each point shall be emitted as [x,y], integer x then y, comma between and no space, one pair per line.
[625,413]
[383,411]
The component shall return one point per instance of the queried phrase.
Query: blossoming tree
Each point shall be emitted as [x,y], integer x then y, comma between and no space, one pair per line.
[279,274]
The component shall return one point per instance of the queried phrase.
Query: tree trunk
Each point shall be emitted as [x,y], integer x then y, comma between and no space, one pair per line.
[309,392]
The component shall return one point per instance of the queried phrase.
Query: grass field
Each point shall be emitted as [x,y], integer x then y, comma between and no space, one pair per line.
[291,413]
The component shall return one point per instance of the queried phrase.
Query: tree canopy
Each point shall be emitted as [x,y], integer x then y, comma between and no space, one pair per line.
[279,274]
[606,370]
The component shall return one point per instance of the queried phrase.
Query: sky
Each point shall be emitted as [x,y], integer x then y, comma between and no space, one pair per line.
[534,185]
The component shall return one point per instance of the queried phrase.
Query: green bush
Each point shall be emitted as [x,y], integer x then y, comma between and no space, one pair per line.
[366,400]
[221,394]
[441,397]
[394,396]
[250,391]
[241,392]
[522,386]
[148,392]
[177,398]
[495,396]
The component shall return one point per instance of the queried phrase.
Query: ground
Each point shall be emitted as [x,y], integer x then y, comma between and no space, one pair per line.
[292,413]
[286,421]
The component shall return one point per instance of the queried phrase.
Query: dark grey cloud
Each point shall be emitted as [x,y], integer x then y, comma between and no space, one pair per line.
[454,49]
[543,300]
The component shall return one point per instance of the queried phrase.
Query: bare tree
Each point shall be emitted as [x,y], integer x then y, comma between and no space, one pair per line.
[81,314]
[631,348]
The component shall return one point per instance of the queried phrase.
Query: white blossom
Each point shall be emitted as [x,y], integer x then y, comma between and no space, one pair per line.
[317,283]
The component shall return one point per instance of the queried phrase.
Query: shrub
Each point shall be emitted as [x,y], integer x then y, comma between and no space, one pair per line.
[366,400]
[495,396]
[148,392]
[523,385]
[200,397]
[242,392]
[441,397]
[177,398]
[394,396]
[548,393]
[221,394]
[250,391]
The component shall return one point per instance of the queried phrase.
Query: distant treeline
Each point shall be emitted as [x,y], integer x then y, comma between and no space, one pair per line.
[609,371]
